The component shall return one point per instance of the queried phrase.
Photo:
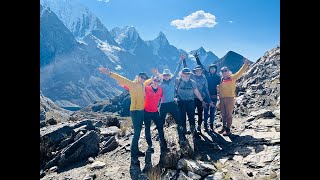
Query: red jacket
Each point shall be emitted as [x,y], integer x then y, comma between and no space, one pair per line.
[152,99]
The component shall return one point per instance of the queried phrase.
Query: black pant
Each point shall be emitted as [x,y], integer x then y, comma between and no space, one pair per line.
[198,106]
[156,119]
[173,109]
[187,106]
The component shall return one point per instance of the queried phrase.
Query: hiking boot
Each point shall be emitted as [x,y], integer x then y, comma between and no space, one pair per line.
[226,133]
[150,149]
[222,130]
[140,154]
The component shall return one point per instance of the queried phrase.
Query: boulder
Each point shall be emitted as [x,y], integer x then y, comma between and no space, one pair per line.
[86,146]
[52,121]
[110,131]
[109,145]
[198,167]
[193,175]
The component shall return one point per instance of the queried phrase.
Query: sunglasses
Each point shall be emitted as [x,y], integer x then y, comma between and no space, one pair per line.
[224,70]
[143,77]
[166,75]
[187,74]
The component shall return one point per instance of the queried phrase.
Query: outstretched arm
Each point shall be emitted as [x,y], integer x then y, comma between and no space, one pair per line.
[182,57]
[156,72]
[122,80]
[196,55]
[244,67]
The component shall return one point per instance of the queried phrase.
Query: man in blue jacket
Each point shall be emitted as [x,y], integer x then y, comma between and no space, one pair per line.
[213,80]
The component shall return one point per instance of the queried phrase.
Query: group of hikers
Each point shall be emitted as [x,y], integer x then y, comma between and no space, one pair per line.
[179,94]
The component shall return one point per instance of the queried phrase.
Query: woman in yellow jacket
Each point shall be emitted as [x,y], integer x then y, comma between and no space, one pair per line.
[227,89]
[137,94]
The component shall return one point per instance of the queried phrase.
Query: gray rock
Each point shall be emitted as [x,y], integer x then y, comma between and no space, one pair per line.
[256,86]
[171,159]
[98,124]
[262,113]
[170,174]
[81,129]
[90,159]
[277,113]
[198,167]
[87,122]
[90,176]
[105,138]
[42,115]
[42,173]
[183,176]
[42,124]
[215,176]
[250,118]
[86,146]
[53,169]
[52,121]
[109,145]
[78,135]
[193,175]
[97,165]
[65,143]
[110,131]
[56,133]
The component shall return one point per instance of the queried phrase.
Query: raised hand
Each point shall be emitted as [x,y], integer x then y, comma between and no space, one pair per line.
[154,71]
[182,57]
[104,70]
[196,55]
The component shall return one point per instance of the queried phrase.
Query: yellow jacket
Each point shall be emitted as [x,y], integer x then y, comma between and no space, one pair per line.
[227,87]
[136,90]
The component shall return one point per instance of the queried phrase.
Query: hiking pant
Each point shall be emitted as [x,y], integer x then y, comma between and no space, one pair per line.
[212,111]
[173,109]
[156,119]
[226,107]
[187,106]
[137,117]
[198,106]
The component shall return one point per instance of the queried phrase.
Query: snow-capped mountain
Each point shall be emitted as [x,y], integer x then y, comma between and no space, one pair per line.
[78,19]
[55,38]
[70,54]
[205,57]
[68,70]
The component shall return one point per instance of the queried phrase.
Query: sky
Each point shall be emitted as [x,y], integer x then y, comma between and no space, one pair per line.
[248,27]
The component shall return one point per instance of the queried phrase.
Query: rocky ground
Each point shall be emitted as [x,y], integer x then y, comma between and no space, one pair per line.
[50,113]
[252,152]
[96,145]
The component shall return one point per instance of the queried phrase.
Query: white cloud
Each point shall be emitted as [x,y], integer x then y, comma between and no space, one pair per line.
[104,0]
[230,21]
[197,19]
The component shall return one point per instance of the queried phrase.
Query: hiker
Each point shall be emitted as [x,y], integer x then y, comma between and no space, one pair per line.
[185,90]
[168,103]
[213,81]
[227,94]
[202,86]
[153,94]
[137,92]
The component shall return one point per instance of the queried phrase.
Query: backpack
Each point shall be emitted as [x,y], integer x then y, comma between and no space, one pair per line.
[178,85]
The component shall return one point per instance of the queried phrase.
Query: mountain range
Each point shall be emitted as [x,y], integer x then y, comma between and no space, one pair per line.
[74,43]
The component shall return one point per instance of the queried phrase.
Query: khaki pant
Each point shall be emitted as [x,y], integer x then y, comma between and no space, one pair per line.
[226,108]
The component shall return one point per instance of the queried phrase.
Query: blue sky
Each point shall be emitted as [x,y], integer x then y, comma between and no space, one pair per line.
[248,27]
